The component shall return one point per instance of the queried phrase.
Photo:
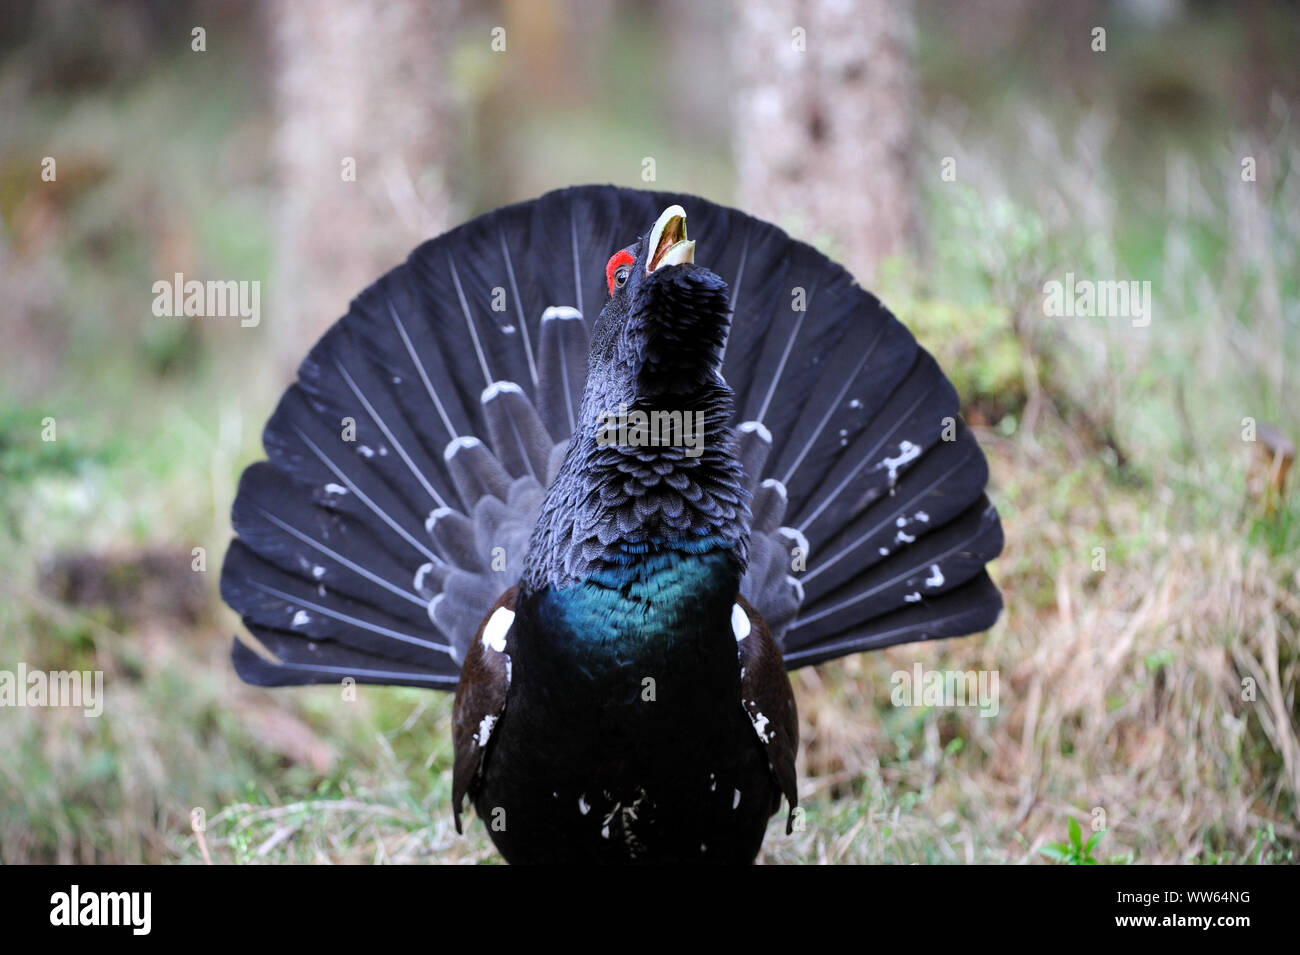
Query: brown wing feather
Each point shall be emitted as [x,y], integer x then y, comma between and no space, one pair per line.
[480,700]
[769,700]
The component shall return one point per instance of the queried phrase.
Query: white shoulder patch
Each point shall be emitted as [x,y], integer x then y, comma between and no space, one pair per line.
[495,630]
[739,622]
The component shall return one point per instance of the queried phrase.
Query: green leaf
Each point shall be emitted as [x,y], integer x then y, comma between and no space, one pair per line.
[1076,834]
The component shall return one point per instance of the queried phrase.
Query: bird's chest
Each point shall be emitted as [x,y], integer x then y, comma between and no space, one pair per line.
[623,733]
[643,653]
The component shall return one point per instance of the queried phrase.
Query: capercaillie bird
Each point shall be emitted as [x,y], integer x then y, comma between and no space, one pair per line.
[468,489]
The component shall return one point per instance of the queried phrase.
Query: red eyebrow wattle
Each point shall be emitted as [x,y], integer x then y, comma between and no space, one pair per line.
[620,258]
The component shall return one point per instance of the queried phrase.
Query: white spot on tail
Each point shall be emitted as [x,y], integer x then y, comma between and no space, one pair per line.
[757,427]
[435,516]
[778,487]
[500,388]
[464,441]
[300,618]
[907,451]
[936,577]
[561,313]
[795,536]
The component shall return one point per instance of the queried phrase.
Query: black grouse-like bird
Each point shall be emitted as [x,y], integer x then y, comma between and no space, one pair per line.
[610,509]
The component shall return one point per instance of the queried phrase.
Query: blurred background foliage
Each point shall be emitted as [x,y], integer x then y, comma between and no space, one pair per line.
[1122,687]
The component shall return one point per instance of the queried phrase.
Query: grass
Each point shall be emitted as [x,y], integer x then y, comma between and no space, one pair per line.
[1152,693]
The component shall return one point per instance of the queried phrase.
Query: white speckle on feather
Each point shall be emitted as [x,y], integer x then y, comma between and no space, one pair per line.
[436,515]
[907,451]
[923,517]
[318,571]
[760,725]
[500,388]
[903,537]
[397,379]
[464,441]
[300,618]
[383,450]
[855,404]
[562,313]
[912,598]
[495,630]
[583,806]
[757,427]
[485,729]
[735,799]
[884,551]
[507,329]
[364,451]
[335,489]
[936,577]
[320,590]
[739,622]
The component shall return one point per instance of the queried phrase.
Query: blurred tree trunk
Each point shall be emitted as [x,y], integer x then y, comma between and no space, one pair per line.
[825,96]
[364,142]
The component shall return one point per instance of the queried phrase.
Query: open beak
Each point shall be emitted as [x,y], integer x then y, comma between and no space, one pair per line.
[668,243]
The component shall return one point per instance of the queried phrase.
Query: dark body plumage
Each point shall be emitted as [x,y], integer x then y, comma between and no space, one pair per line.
[616,618]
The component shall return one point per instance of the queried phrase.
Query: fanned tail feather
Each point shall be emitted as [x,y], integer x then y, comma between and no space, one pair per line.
[408,463]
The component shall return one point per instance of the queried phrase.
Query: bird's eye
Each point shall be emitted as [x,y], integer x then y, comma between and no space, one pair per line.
[618,269]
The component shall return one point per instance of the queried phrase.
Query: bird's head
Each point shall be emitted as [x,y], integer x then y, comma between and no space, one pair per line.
[662,331]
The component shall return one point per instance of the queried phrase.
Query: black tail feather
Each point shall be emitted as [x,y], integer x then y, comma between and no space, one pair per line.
[425,425]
